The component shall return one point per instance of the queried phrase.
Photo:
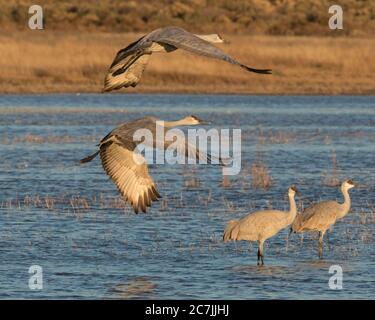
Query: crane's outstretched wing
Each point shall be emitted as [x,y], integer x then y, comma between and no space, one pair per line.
[127,71]
[129,172]
[128,66]
[189,150]
[182,39]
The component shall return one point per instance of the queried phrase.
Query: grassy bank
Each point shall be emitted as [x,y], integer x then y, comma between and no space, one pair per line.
[52,61]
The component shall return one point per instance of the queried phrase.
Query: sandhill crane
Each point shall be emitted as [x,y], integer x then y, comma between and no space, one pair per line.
[322,215]
[128,169]
[261,225]
[127,67]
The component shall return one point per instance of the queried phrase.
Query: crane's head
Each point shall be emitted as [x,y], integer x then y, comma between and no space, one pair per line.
[292,191]
[348,184]
[194,120]
[213,38]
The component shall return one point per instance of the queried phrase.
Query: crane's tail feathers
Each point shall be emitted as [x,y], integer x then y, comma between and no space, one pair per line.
[262,71]
[211,159]
[231,231]
[225,162]
[89,158]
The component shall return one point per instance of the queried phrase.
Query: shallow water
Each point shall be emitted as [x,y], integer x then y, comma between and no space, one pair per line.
[68,218]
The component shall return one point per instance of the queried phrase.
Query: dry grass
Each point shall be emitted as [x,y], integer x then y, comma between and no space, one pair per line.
[260,177]
[225,183]
[229,206]
[75,204]
[331,179]
[47,61]
[41,139]
[192,182]
[191,179]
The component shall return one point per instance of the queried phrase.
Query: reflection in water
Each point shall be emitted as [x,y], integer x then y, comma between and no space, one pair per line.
[265,270]
[138,288]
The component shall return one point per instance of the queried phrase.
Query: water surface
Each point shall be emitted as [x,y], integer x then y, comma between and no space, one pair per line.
[69,219]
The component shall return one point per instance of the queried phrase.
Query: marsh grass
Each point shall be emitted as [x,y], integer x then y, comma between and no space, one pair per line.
[300,65]
[260,178]
[226,182]
[41,139]
[205,200]
[191,180]
[229,206]
[332,179]
[75,204]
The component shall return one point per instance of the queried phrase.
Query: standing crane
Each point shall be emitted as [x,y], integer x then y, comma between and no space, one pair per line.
[322,215]
[261,225]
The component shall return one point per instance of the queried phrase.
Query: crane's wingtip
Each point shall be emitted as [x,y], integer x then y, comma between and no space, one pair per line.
[261,71]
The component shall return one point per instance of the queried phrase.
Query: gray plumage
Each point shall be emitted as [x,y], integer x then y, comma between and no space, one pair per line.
[128,66]
[128,169]
[261,225]
[322,215]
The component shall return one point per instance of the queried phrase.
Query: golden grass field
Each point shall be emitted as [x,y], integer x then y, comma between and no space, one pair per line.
[47,61]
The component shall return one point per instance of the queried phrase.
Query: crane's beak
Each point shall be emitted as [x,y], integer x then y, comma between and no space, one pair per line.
[204,122]
[200,121]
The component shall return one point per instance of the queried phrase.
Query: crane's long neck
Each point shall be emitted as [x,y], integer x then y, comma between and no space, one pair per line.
[172,124]
[346,204]
[293,209]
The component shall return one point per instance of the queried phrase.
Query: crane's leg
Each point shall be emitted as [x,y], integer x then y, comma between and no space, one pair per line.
[321,235]
[260,252]
[287,238]
[290,232]
[258,257]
